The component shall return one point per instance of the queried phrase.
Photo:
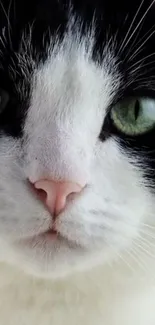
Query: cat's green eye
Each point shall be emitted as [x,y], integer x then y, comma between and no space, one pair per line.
[134,116]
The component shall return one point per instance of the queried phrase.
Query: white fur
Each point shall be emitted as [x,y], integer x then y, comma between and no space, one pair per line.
[108,295]
[106,223]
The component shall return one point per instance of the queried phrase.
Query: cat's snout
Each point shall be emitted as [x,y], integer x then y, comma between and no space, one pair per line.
[55,195]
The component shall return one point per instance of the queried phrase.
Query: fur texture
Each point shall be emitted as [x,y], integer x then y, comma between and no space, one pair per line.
[64,69]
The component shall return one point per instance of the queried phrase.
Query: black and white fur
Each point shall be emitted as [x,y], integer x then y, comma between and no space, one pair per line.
[64,65]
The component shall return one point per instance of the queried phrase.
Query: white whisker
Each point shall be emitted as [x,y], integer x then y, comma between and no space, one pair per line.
[128,32]
[147,233]
[139,260]
[133,46]
[141,20]
[7,15]
[139,244]
[147,225]
[146,242]
[118,254]
[142,60]
[137,51]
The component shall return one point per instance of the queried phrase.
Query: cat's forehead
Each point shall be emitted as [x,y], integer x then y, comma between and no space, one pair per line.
[70,88]
[75,44]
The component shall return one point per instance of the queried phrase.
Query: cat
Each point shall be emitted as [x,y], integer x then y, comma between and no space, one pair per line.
[77,162]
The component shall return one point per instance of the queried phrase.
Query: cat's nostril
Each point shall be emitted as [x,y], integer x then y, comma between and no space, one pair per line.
[71,196]
[42,195]
[56,195]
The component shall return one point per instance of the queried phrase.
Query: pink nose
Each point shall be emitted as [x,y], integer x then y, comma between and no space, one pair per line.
[55,194]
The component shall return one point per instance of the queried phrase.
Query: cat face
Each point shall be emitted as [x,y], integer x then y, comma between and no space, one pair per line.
[77,107]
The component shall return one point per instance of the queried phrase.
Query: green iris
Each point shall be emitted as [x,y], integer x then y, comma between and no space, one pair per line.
[134,116]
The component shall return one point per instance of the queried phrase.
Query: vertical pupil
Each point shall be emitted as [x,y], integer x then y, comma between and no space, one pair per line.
[137,108]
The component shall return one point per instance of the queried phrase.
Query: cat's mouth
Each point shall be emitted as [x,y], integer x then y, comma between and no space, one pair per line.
[46,238]
[52,234]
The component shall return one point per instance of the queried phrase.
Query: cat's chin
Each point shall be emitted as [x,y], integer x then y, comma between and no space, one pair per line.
[51,254]
[48,255]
